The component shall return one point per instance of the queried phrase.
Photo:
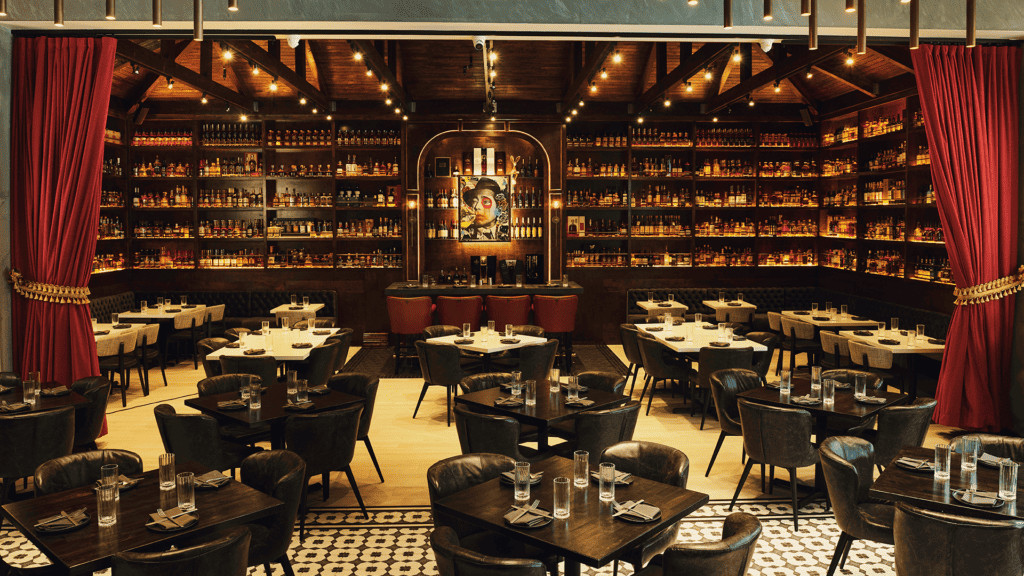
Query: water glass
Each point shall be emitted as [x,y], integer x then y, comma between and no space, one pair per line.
[671,297]
[739,297]
[286,323]
[159,302]
[554,384]
[650,296]
[1008,480]
[143,305]
[508,331]
[565,280]
[472,280]
[522,474]
[293,376]
[894,325]
[721,296]
[860,383]
[490,328]
[574,389]
[815,380]
[108,475]
[95,323]
[697,317]
[294,300]
[184,300]
[167,471]
[972,481]
[561,498]
[828,388]
[581,468]
[266,327]
[305,301]
[113,319]
[606,484]
[969,457]
[517,383]
[843,310]
[106,505]
[186,491]
[911,338]
[243,391]
[519,280]
[814,308]
[943,453]
[881,328]
[531,392]
[28,388]
[467,330]
[920,331]
[666,319]
[785,385]
[425,281]
[728,334]
[828,306]
[255,393]
[302,391]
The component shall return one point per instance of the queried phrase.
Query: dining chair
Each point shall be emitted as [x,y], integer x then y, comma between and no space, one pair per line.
[799,336]
[82,469]
[116,357]
[454,560]
[188,327]
[278,474]
[233,432]
[739,319]
[207,346]
[147,352]
[840,426]
[215,317]
[408,317]
[459,310]
[197,437]
[364,386]
[27,440]
[763,360]
[596,430]
[874,359]
[557,316]
[537,360]
[834,348]
[711,360]
[931,543]
[899,427]
[440,366]
[263,366]
[999,446]
[344,339]
[731,556]
[478,382]
[657,367]
[628,336]
[89,418]
[725,386]
[222,553]
[321,364]
[504,310]
[232,334]
[590,380]
[493,434]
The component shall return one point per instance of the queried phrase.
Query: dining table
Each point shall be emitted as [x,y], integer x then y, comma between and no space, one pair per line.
[590,535]
[296,312]
[163,313]
[489,345]
[43,401]
[103,332]
[911,349]
[659,307]
[823,320]
[285,344]
[722,307]
[690,337]
[91,548]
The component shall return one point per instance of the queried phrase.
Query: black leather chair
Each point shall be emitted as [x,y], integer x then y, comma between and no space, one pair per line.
[240,433]
[657,367]
[197,437]
[604,381]
[799,339]
[932,543]
[837,424]
[322,362]
[263,366]
[763,360]
[279,474]
[440,330]
[598,429]
[655,462]
[477,382]
[510,358]
[232,334]
[218,554]
[537,360]
[711,360]
[526,330]
[317,323]
[365,386]
[725,385]
[1000,446]
[900,426]
[82,469]
[454,560]
[730,556]
[207,346]
[344,340]
[440,366]
[327,442]
[458,473]
[27,440]
[628,335]
[492,434]
[89,418]
[848,465]
[776,437]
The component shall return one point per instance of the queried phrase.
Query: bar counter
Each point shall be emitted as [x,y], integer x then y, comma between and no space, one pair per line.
[409,289]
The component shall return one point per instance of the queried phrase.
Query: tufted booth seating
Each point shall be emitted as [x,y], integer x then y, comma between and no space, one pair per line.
[689,297]
[101,308]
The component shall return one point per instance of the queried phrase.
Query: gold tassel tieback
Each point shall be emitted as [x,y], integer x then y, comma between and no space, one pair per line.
[48,292]
[989,291]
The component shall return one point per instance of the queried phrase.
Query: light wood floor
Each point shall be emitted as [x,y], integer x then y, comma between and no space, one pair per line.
[406,447]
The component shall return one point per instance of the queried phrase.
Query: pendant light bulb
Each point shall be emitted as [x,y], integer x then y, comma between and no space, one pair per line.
[575,112]
[273,85]
[383,86]
[204,100]
[617,57]
[158,14]
[849,58]
[862,26]
[302,100]
[255,70]
[809,72]
[243,118]
[493,56]
[805,7]
[314,111]
[581,103]
[405,117]
[736,56]
[568,119]
[715,119]
[667,102]
[357,55]
[398,110]
[640,120]
[135,69]
[233,5]
[111,10]
[369,72]
[707,74]
[3,7]
[227,55]
[604,73]
[750,99]
[593,86]
[387,101]
[778,87]
[689,87]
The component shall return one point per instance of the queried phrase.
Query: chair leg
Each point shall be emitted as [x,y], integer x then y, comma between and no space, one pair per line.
[423,392]
[846,552]
[355,489]
[286,565]
[162,371]
[650,399]
[373,457]
[325,485]
[630,372]
[302,510]
[762,479]
[615,568]
[266,568]
[795,495]
[771,480]
[718,446]
[743,478]
[124,387]
[448,410]
[844,540]
[143,379]
[647,381]
[704,414]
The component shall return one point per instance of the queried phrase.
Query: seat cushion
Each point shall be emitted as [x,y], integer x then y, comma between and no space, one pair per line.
[877,521]
[493,544]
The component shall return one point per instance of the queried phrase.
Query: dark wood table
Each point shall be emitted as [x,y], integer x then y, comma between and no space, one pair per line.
[272,410]
[550,408]
[45,402]
[922,489]
[590,535]
[90,548]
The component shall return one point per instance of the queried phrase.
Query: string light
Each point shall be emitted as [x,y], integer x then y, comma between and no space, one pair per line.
[493,73]
[357,55]
[750,99]
[135,69]
[368,71]
[809,72]
[778,88]
[227,55]
[255,69]
[387,101]
[574,112]
[273,85]
[384,86]
[302,100]
[604,73]
[849,58]
[243,118]
[398,110]
[329,117]
[493,56]
[493,118]
[314,110]
[736,56]
[707,74]
[593,86]
[715,119]
[616,57]
[689,87]
[667,102]
[581,103]
[405,117]
[568,119]
[204,100]
[640,120]
[170,83]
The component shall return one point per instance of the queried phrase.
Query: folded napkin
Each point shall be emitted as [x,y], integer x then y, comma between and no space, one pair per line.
[655,329]
[990,459]
[510,340]
[664,305]
[843,385]
[863,333]
[917,464]
[820,318]
[709,327]
[55,391]
[254,352]
[719,344]
[212,478]
[903,332]
[172,310]
[735,304]
[319,390]
[936,341]
[233,345]
[300,345]
[508,401]
[532,517]
[739,338]
[801,313]
[637,511]
[256,332]
[677,322]
[581,403]
[295,307]
[805,400]
[232,404]
[860,318]
[188,306]
[870,400]
[122,326]
[978,498]
[62,521]
[101,332]
[299,406]
[534,476]
[173,519]
[321,332]
[675,339]
[888,341]
[620,477]
[464,341]
[6,408]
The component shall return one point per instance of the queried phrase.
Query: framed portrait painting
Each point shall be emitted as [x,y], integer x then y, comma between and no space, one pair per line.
[484,209]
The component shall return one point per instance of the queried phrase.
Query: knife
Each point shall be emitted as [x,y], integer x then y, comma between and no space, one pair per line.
[524,511]
[628,507]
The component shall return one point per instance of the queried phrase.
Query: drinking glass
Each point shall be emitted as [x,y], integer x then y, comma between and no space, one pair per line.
[522,473]
[581,468]
[186,491]
[815,379]
[920,331]
[942,457]
[565,280]
[828,306]
[972,481]
[721,296]
[860,386]
[843,310]
[574,389]
[671,297]
[519,280]
[894,325]
[293,376]
[739,297]
[728,334]
[159,302]
[425,281]
[490,328]
[95,323]
[142,305]
[294,299]
[108,474]
[1008,480]
[828,388]
[721,329]
[167,471]
[650,296]
[255,394]
[301,391]
[531,392]
[266,327]
[881,328]
[305,301]
[814,308]
[666,319]
[106,505]
[911,338]
[561,498]
[113,319]
[606,484]
[28,389]
[467,330]
[969,457]
[697,318]
[184,300]
[517,383]
[243,390]
[286,323]
[508,330]
[554,384]
[472,280]
[785,385]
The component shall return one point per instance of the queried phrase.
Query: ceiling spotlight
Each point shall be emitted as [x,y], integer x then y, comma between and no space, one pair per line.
[707,74]
[227,55]
[398,110]
[768,11]
[604,73]
[302,100]
[158,13]
[135,69]
[593,86]
[493,56]
[3,7]
[357,55]
[616,57]
[387,101]
[204,100]
[384,86]
[170,82]
[849,58]
[233,5]
[640,120]
[715,119]
[255,69]
[58,13]
[110,10]
[314,110]
[750,99]
[736,56]
[851,5]
[368,71]
[405,117]
[493,73]
[809,72]
[778,88]
[574,112]
[689,86]
[273,85]
[581,103]
[243,118]
[329,117]
[493,118]
[667,103]
[568,118]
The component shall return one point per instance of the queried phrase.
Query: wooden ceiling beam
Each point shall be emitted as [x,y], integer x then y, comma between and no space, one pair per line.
[316,51]
[375,61]
[848,78]
[899,57]
[647,57]
[894,88]
[168,50]
[707,54]
[300,59]
[795,82]
[783,69]
[595,59]
[250,51]
[241,70]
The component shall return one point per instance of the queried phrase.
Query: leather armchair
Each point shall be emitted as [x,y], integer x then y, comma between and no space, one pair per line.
[28,440]
[327,442]
[317,323]
[848,465]
[477,382]
[654,364]
[599,429]
[536,360]
[439,330]
[776,437]
[966,545]
[82,469]
[197,437]
[763,360]
[263,366]
[1001,446]
[604,381]
[454,560]
[279,474]
[321,364]
[628,336]
[711,360]
[232,334]
[218,554]
[730,556]
[838,425]
[89,418]
[8,379]
[492,434]
[365,386]
[344,340]
[440,365]
[408,316]
[526,330]
[725,385]
[239,433]
[458,473]
[900,426]
[207,346]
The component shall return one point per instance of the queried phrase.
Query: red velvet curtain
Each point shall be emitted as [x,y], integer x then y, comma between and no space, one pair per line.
[61,93]
[970,102]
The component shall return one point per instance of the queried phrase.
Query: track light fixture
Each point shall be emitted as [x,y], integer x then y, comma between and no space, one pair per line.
[768,10]
[233,5]
[616,57]
[197,20]
[972,29]
[862,26]
[750,99]
[58,13]
[204,100]
[812,27]
[727,14]
[255,69]
[604,74]
[3,7]
[848,57]
[692,2]
[135,69]
[805,7]
[273,85]
[689,86]
[778,87]
[302,99]
[809,72]
[170,83]
[158,14]
[111,10]
[851,5]
[707,74]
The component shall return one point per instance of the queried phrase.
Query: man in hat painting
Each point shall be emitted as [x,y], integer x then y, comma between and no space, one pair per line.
[481,212]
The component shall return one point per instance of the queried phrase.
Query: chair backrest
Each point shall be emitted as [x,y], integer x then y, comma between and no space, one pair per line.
[798,328]
[940,544]
[763,360]
[458,473]
[737,314]
[8,379]
[439,330]
[477,382]
[649,460]
[263,366]
[215,313]
[729,557]
[89,418]
[344,340]
[28,440]
[82,469]
[775,321]
[536,360]
[725,385]
[604,381]
[714,359]
[504,310]
[555,313]
[487,433]
[191,437]
[279,474]
[326,441]
[362,385]
[849,376]
[233,333]
[454,560]
[441,362]
[321,364]
[314,323]
[866,355]
[186,320]
[652,354]
[410,315]
[848,464]
[459,310]
[526,330]
[901,426]
[777,436]
[599,429]
[835,345]
[223,553]
[147,335]
[205,347]
[1001,446]
[221,384]
[628,335]
[111,346]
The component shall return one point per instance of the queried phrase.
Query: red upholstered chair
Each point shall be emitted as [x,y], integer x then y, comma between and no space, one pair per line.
[409,316]
[557,316]
[459,310]
[514,310]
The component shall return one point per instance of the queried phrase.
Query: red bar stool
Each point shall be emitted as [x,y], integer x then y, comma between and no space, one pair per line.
[409,316]
[514,310]
[557,316]
[459,310]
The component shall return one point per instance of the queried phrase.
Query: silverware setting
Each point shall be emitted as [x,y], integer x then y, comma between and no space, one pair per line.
[629,508]
[73,517]
[160,512]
